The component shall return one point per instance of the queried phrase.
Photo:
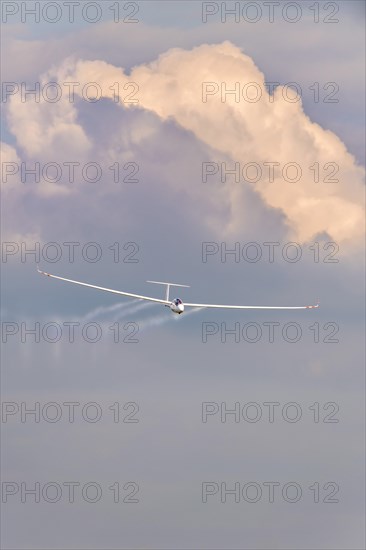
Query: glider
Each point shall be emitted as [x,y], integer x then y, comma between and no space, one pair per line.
[175,305]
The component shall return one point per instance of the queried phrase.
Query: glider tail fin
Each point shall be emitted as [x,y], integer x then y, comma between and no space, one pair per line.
[168,285]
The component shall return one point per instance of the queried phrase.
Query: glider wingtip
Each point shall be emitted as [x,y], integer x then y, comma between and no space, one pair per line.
[41,272]
[313,307]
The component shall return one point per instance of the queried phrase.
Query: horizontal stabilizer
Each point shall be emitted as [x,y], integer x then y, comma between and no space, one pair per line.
[171,284]
[168,285]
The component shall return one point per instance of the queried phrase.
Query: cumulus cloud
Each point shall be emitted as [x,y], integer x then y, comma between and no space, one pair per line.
[12,195]
[237,130]
[8,155]
[271,129]
[44,127]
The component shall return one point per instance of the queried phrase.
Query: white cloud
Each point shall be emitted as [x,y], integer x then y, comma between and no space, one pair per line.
[46,128]
[262,131]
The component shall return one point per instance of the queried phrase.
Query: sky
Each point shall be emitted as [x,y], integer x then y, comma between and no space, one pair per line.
[175,141]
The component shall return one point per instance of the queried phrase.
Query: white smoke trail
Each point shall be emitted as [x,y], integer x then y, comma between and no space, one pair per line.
[159,320]
[134,309]
[105,310]
[117,312]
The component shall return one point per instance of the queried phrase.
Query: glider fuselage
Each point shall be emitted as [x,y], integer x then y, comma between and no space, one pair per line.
[177,306]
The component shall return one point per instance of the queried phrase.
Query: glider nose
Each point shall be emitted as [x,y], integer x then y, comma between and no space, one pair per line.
[181,308]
